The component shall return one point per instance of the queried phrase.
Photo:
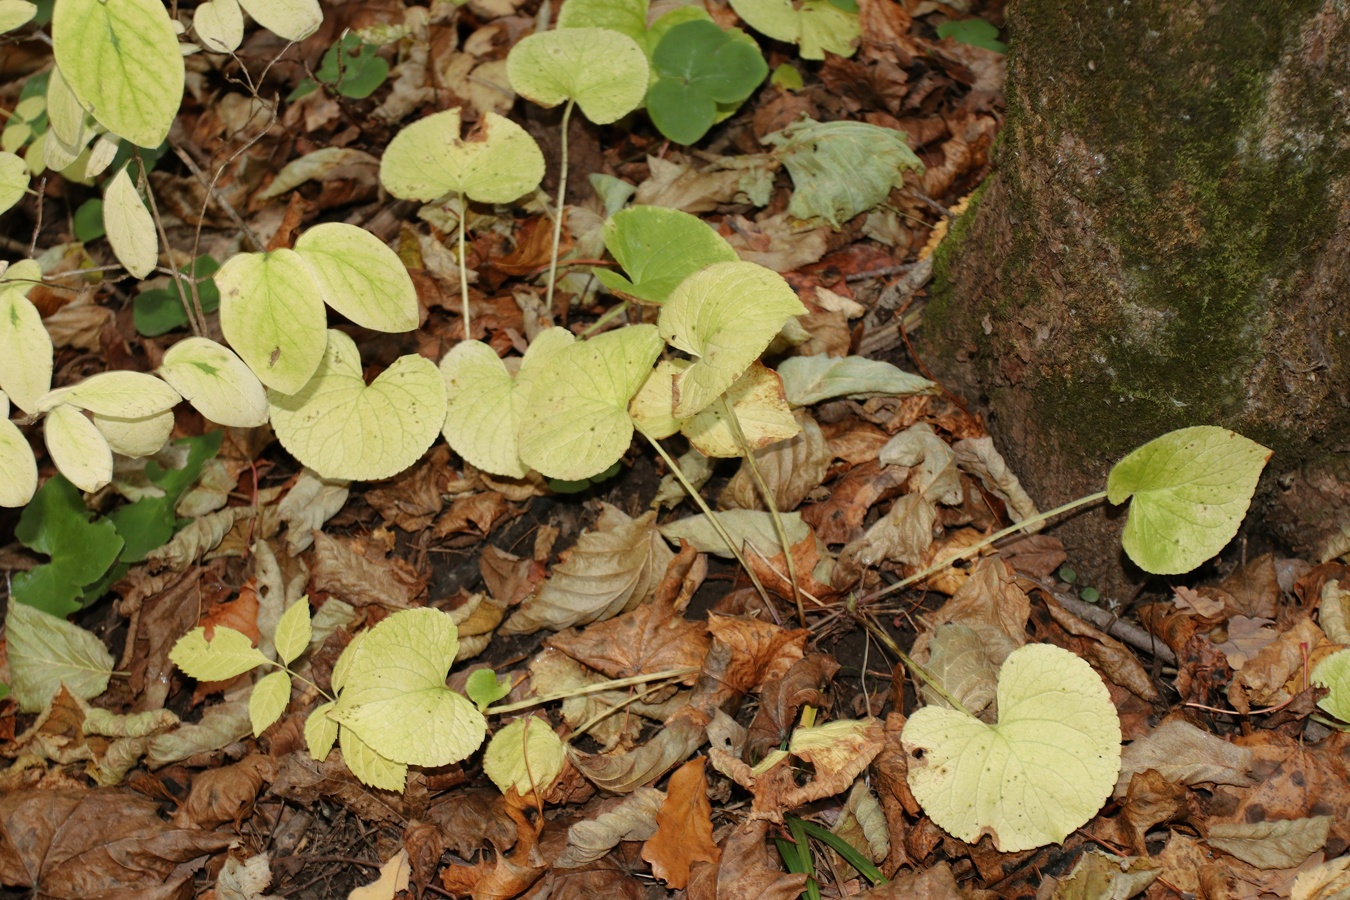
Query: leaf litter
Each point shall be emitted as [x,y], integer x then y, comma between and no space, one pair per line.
[127,779]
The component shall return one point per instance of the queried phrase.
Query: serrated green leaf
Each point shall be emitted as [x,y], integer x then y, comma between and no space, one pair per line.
[121,59]
[124,394]
[18,468]
[13,180]
[343,428]
[78,448]
[219,25]
[1188,492]
[1045,769]
[604,71]
[46,651]
[293,20]
[525,756]
[268,700]
[810,379]
[130,230]
[485,688]
[216,382]
[370,767]
[360,277]
[271,312]
[429,159]
[321,732]
[816,26]
[26,364]
[293,631]
[56,523]
[658,248]
[1333,673]
[841,169]
[724,315]
[227,654]
[576,423]
[395,699]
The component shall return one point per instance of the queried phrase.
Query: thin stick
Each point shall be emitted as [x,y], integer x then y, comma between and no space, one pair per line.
[562,197]
[186,294]
[591,689]
[464,266]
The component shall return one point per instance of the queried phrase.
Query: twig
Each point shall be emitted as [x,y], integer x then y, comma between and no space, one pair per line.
[1111,624]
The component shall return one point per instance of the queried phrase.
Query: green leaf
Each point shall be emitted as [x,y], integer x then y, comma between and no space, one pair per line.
[659,248]
[576,423]
[131,231]
[351,67]
[56,523]
[18,468]
[810,379]
[841,169]
[26,364]
[975,32]
[148,523]
[271,312]
[123,393]
[817,26]
[87,223]
[159,310]
[227,654]
[293,20]
[293,631]
[370,767]
[604,71]
[216,382]
[428,159]
[13,180]
[268,700]
[699,67]
[343,428]
[1190,490]
[121,58]
[525,756]
[46,651]
[1333,673]
[485,688]
[624,16]
[321,732]
[724,315]
[395,699]
[1045,769]
[77,447]
[786,77]
[360,277]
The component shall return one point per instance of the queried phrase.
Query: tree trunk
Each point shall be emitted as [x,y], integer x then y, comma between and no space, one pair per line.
[1165,242]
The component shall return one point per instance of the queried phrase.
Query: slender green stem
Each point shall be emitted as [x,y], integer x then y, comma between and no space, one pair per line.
[910,664]
[767,494]
[609,316]
[464,267]
[712,519]
[976,548]
[591,689]
[562,197]
[298,677]
[609,711]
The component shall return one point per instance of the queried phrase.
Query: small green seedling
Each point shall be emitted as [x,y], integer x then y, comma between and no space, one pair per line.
[351,68]
[484,688]
[658,248]
[700,71]
[815,26]
[975,32]
[429,159]
[602,71]
[57,524]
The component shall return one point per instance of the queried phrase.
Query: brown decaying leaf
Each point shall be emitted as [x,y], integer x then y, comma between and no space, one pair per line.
[71,844]
[760,650]
[746,870]
[903,535]
[782,698]
[1185,754]
[632,819]
[647,639]
[1037,555]
[339,568]
[991,603]
[304,780]
[1254,589]
[839,519]
[1246,638]
[933,883]
[773,572]
[411,500]
[601,879]
[225,794]
[1277,672]
[891,768]
[472,514]
[791,468]
[162,609]
[683,827]
[1150,800]
[472,819]
[509,578]
[1112,658]
[684,575]
[625,772]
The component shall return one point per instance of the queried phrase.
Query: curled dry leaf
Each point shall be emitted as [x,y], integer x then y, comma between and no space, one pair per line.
[647,639]
[225,794]
[684,827]
[1182,753]
[991,603]
[782,698]
[625,772]
[341,569]
[634,819]
[746,870]
[760,650]
[791,468]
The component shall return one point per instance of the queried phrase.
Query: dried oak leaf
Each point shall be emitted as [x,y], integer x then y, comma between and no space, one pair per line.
[683,827]
[70,844]
[344,571]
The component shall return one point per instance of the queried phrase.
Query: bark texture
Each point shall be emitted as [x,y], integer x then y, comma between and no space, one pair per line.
[1165,242]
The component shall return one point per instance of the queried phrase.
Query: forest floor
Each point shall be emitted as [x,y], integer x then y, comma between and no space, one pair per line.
[1233,782]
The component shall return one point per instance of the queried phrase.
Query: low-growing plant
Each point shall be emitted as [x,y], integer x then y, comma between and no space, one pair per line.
[350,68]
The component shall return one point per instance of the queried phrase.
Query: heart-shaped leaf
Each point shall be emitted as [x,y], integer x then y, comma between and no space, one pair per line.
[293,20]
[271,312]
[395,698]
[343,428]
[699,68]
[485,688]
[817,26]
[624,16]
[525,756]
[604,71]
[1190,490]
[215,381]
[360,277]
[1045,769]
[576,422]
[756,398]
[485,405]
[121,59]
[724,315]
[429,159]
[26,364]
[659,248]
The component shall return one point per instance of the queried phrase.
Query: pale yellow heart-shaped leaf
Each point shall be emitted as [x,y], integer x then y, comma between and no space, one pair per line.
[271,312]
[526,756]
[370,767]
[216,382]
[360,277]
[293,20]
[219,25]
[605,72]
[429,159]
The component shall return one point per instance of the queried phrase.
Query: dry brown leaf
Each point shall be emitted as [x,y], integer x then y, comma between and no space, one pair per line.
[225,794]
[777,242]
[935,882]
[782,698]
[791,468]
[1276,672]
[394,877]
[633,819]
[1280,844]
[614,567]
[839,519]
[411,500]
[891,768]
[684,575]
[1254,589]
[1037,555]
[601,879]
[647,639]
[903,535]
[554,671]
[746,870]
[509,578]
[683,827]
[1182,753]
[472,819]
[71,844]
[1108,655]
[760,650]
[991,603]
[674,181]
[507,876]
[472,514]
[342,570]
[1297,781]
[1246,638]
[1150,800]
[625,772]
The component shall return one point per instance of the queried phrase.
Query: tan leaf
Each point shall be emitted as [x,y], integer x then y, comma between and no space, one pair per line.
[509,578]
[625,772]
[978,457]
[759,650]
[903,535]
[553,671]
[1271,845]
[1246,638]
[746,871]
[225,794]
[360,579]
[411,500]
[1182,753]
[932,883]
[781,699]
[839,519]
[936,475]
[791,468]
[1116,661]
[1266,677]
[684,827]
[647,639]
[989,602]
[634,819]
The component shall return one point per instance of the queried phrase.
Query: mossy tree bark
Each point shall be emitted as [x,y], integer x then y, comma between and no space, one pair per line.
[1165,242]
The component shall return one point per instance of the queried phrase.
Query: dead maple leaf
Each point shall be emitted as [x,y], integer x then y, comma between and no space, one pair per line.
[683,827]
[623,772]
